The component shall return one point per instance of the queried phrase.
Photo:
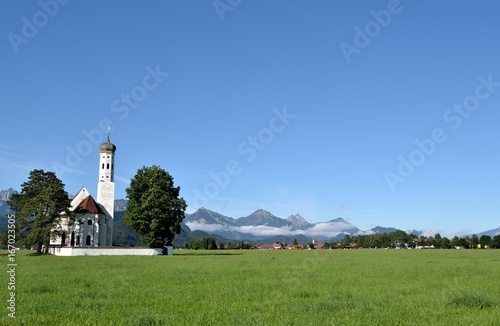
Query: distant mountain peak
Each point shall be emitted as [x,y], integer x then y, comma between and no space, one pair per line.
[206,210]
[262,217]
[339,220]
[120,205]
[6,194]
[4,206]
[298,221]
[206,216]
[262,212]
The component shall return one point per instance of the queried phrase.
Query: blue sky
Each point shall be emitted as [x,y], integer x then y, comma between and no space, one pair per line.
[380,112]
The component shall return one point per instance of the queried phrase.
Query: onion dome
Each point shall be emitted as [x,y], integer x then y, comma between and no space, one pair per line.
[107,146]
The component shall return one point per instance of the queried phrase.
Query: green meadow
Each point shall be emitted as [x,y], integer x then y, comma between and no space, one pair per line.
[307,287]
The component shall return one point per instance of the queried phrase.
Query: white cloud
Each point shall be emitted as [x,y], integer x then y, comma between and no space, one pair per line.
[430,232]
[328,229]
[258,231]
[360,232]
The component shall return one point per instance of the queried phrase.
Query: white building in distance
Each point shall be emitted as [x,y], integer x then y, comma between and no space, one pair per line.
[93,221]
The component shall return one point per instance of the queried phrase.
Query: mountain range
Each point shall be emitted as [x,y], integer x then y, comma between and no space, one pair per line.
[263,225]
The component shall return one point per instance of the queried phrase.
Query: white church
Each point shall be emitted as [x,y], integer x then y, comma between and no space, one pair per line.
[93,223]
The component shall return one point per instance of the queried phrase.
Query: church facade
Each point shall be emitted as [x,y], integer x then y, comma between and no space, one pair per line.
[92,225]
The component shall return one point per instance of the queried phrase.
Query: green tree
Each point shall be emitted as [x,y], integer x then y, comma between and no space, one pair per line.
[154,209]
[455,242]
[474,241]
[401,236]
[484,240]
[196,244]
[464,242]
[204,243]
[295,243]
[346,241]
[445,243]
[38,207]
[495,242]
[385,240]
[360,240]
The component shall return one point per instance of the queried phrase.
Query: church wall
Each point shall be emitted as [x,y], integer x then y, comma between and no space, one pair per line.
[87,230]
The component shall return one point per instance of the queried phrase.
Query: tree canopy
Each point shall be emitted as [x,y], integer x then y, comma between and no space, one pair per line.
[38,207]
[204,243]
[154,209]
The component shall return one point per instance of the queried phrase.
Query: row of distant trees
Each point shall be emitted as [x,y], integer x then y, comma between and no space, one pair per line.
[209,243]
[397,239]
[402,239]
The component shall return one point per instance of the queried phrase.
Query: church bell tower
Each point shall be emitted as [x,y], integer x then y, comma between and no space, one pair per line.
[106,188]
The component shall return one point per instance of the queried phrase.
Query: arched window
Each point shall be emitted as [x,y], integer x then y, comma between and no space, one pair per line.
[88,240]
[107,167]
[89,222]
[77,240]
[63,239]
[103,166]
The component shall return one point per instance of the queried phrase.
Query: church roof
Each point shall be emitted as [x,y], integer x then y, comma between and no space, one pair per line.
[88,205]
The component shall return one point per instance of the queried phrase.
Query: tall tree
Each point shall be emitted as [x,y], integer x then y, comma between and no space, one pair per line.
[38,207]
[154,209]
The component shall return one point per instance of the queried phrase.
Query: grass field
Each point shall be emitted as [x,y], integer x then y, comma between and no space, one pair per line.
[330,287]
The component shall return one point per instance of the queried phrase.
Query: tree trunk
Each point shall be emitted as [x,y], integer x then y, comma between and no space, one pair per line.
[39,247]
[47,247]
